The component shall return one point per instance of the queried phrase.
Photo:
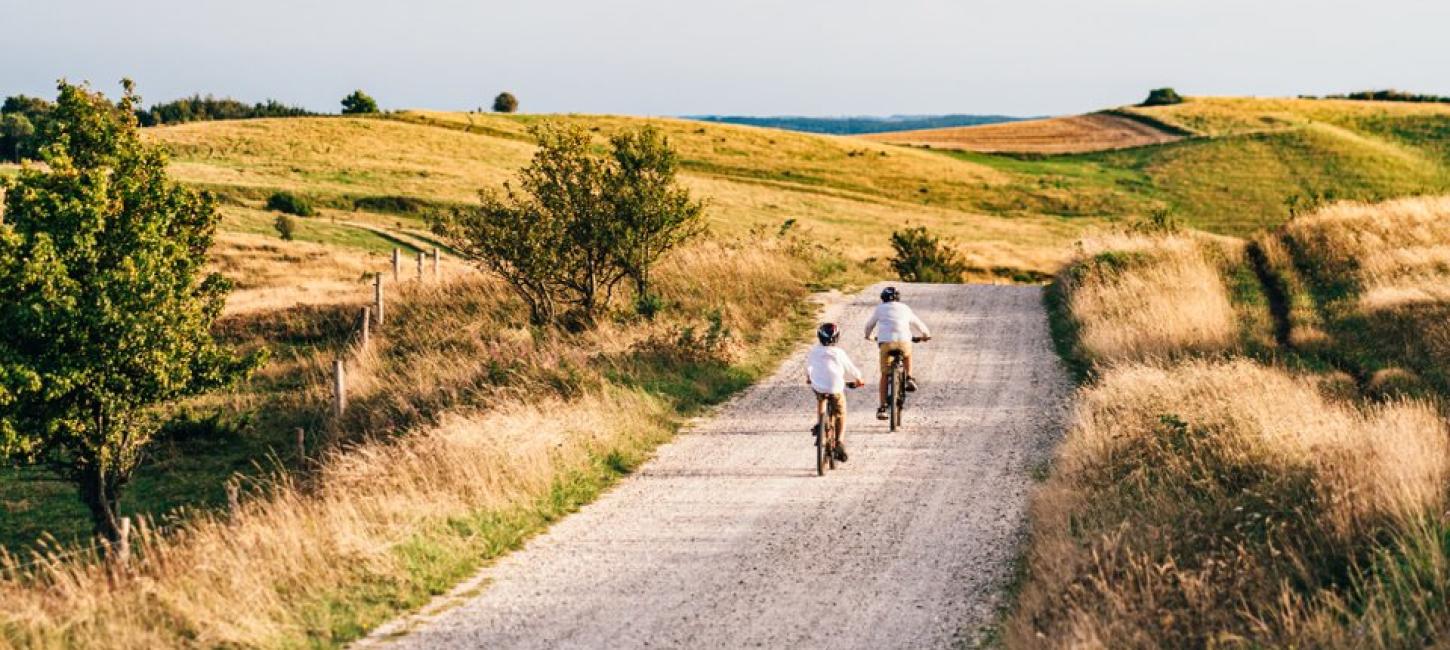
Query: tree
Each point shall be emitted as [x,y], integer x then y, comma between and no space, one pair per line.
[505,103]
[105,307]
[919,256]
[358,103]
[1162,97]
[21,121]
[579,224]
[16,132]
[285,226]
[652,211]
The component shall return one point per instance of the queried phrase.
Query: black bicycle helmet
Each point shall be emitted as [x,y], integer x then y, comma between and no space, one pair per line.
[828,333]
[890,294]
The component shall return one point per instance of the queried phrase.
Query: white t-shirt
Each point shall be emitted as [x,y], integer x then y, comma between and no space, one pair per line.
[895,321]
[828,367]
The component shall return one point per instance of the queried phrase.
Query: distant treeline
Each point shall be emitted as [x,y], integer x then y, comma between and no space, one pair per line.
[23,119]
[1391,96]
[854,125]
[197,108]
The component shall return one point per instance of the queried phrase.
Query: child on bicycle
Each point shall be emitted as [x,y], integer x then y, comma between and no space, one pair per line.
[827,370]
[896,322]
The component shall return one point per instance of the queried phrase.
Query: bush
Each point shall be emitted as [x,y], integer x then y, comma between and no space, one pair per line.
[290,203]
[285,226]
[358,103]
[920,256]
[505,103]
[1162,97]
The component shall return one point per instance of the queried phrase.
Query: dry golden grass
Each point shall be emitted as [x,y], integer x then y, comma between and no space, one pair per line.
[1218,116]
[1227,503]
[1075,134]
[1381,276]
[499,419]
[1137,297]
[1394,253]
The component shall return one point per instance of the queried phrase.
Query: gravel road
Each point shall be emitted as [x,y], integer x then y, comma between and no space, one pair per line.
[728,539]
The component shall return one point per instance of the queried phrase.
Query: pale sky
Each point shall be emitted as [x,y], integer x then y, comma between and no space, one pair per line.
[751,57]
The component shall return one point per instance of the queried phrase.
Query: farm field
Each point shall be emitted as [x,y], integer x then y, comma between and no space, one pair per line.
[1075,134]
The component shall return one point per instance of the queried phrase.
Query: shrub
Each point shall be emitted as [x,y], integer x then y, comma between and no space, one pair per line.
[285,226]
[1162,97]
[290,203]
[505,103]
[358,103]
[919,256]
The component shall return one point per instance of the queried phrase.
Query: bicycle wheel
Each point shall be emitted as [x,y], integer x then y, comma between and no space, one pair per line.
[821,446]
[835,438]
[893,395]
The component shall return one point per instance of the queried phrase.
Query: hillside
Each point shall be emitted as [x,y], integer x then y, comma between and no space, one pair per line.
[838,189]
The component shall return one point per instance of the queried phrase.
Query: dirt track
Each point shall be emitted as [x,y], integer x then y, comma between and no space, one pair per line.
[728,539]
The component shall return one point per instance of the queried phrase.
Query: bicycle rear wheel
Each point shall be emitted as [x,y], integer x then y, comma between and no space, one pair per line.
[821,450]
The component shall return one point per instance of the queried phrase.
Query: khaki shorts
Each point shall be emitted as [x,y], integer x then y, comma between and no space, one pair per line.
[887,348]
[838,398]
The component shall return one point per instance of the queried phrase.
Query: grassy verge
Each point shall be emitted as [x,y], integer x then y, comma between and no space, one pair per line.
[1243,493]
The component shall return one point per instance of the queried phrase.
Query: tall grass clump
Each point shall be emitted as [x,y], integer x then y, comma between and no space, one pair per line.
[1141,296]
[1225,502]
[1380,274]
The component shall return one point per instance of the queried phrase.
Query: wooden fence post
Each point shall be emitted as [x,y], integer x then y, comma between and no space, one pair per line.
[339,387]
[397,263]
[123,545]
[365,326]
[234,498]
[420,266]
[435,263]
[378,297]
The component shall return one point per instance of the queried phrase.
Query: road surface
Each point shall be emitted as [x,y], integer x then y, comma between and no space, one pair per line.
[728,539]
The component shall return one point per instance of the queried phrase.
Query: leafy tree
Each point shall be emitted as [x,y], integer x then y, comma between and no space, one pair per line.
[22,119]
[920,256]
[105,307]
[285,225]
[1162,97]
[505,103]
[16,132]
[652,211]
[358,103]
[578,224]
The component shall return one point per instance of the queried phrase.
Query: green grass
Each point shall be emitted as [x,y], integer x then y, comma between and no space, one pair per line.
[318,230]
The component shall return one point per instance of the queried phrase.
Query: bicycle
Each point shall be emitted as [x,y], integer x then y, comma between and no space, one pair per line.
[896,384]
[828,432]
